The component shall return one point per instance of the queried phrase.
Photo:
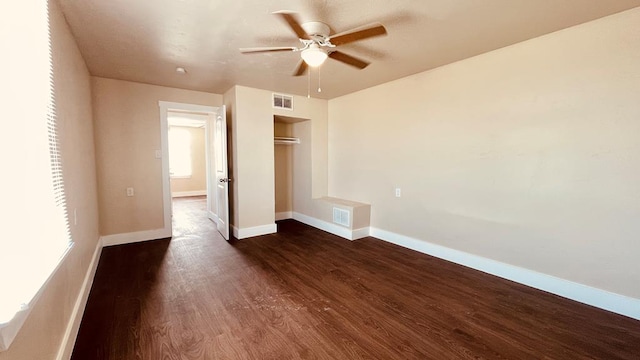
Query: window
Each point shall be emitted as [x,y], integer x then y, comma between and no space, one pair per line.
[179,152]
[35,233]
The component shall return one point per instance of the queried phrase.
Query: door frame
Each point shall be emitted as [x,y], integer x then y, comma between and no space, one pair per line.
[165,107]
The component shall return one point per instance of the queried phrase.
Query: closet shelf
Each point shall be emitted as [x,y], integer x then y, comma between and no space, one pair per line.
[281,140]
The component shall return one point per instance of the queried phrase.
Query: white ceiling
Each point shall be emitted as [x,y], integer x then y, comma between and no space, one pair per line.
[144,40]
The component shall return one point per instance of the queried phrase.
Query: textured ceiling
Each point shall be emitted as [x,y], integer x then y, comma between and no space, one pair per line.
[144,40]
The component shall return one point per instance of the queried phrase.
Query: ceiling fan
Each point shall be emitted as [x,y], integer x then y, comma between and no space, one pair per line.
[318,45]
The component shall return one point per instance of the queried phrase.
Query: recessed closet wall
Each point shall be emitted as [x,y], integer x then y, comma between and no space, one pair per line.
[283,154]
[288,146]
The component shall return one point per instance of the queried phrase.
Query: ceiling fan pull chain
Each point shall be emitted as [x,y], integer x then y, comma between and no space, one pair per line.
[319,88]
[309,84]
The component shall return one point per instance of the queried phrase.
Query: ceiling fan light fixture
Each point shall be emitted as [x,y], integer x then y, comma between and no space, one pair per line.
[314,56]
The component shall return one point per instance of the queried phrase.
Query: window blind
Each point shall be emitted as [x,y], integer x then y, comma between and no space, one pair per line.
[35,231]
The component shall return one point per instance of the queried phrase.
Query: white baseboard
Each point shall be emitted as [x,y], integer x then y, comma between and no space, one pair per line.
[332,228]
[71,333]
[243,233]
[189,193]
[126,238]
[284,215]
[599,298]
[360,233]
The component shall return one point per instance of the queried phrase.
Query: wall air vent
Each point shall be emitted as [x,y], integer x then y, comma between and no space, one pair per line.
[281,101]
[341,216]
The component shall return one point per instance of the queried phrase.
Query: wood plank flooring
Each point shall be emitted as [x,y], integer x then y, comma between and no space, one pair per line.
[306,294]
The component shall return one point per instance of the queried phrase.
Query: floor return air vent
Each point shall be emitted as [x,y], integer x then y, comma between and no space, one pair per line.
[341,216]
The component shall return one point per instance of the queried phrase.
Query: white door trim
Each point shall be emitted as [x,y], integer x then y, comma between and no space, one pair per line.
[166,106]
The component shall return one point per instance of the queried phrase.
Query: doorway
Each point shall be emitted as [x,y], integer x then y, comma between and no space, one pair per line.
[187,170]
[181,123]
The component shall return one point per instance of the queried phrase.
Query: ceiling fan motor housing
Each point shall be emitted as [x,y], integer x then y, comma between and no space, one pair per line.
[316,28]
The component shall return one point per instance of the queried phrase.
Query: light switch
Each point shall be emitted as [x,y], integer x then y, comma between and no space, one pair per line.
[158,154]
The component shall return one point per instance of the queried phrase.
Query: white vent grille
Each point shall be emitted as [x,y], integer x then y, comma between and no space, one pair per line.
[341,216]
[281,101]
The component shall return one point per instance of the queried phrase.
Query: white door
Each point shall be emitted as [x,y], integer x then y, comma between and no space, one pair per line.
[210,159]
[222,172]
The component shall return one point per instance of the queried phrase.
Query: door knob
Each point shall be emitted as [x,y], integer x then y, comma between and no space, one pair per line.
[223,180]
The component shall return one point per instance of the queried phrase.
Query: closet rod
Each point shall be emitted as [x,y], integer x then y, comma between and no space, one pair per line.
[281,140]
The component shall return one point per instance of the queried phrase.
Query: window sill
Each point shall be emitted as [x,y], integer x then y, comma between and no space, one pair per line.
[9,329]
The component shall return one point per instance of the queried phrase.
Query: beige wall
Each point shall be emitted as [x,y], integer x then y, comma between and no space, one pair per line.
[252,128]
[254,173]
[42,333]
[198,179]
[527,155]
[303,168]
[315,153]
[310,158]
[127,132]
[283,169]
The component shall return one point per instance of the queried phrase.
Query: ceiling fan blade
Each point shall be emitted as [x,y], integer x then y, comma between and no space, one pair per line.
[266,49]
[301,69]
[360,33]
[293,23]
[348,59]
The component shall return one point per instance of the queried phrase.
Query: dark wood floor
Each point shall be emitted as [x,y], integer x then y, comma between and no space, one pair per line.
[306,294]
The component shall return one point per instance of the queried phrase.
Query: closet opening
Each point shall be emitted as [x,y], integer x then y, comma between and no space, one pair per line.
[291,138]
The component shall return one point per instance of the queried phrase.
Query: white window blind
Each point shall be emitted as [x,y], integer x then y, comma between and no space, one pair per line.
[35,232]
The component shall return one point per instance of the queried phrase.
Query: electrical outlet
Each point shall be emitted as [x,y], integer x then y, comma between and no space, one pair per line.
[398,192]
[130,191]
